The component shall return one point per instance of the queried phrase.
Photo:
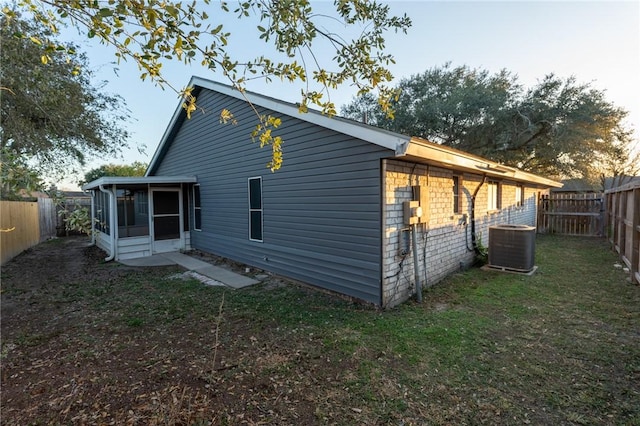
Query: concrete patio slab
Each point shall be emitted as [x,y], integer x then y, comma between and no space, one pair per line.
[183,260]
[156,260]
[228,278]
[225,276]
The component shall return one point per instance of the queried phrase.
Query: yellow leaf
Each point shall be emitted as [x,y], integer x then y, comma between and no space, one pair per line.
[44,59]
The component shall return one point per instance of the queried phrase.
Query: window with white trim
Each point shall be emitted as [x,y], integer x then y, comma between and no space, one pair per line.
[493,196]
[255,209]
[519,195]
[197,208]
[456,181]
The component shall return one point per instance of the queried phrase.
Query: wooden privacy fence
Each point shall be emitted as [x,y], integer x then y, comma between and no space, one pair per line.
[623,225]
[25,224]
[571,214]
[48,218]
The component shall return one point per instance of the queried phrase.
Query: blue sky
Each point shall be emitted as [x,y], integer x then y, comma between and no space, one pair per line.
[597,42]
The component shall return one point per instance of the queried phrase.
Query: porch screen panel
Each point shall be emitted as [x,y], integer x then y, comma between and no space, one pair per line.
[133,212]
[166,215]
[102,215]
[165,202]
[167,227]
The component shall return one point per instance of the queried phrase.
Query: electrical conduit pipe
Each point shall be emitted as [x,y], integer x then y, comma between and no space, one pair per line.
[472,219]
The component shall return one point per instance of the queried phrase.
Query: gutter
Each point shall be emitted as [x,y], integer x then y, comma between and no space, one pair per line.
[112,223]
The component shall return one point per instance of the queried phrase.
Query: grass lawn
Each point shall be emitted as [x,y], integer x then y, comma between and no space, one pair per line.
[110,344]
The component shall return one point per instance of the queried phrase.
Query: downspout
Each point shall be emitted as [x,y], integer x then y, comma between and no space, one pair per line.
[474,242]
[93,215]
[112,221]
[383,227]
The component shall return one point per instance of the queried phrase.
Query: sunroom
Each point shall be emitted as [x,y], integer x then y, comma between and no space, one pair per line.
[141,216]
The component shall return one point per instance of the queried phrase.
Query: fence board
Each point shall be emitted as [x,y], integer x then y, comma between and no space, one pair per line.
[20,226]
[48,218]
[571,214]
[623,223]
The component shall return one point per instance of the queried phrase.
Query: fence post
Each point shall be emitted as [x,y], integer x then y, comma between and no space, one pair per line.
[47,218]
[635,255]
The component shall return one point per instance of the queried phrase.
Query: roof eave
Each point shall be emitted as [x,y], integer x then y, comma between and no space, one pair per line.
[141,180]
[431,153]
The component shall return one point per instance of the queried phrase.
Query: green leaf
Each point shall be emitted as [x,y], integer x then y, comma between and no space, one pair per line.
[172,11]
[105,12]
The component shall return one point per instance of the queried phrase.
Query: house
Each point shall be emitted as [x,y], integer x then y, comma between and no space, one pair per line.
[333,216]
[584,186]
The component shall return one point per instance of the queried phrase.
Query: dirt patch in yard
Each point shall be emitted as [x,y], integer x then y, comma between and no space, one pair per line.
[74,353]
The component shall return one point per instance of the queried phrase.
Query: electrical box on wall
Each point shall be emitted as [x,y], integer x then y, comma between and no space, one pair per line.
[421,194]
[412,212]
[405,242]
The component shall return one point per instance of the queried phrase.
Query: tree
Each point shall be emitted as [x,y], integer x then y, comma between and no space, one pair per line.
[563,128]
[52,118]
[622,166]
[137,168]
[16,178]
[557,128]
[152,32]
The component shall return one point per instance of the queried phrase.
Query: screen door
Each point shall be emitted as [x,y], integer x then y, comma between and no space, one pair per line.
[166,219]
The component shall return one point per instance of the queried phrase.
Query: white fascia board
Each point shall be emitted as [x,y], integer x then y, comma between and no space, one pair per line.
[142,180]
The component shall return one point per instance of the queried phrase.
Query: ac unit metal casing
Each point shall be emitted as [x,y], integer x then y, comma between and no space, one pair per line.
[512,247]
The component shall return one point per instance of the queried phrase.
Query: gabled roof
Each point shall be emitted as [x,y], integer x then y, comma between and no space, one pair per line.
[381,137]
[402,146]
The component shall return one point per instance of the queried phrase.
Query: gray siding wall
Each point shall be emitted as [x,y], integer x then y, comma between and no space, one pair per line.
[321,210]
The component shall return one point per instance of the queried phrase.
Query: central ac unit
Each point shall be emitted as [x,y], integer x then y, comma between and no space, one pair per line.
[512,247]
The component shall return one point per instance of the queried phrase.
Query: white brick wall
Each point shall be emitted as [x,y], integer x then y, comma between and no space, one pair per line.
[443,242]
